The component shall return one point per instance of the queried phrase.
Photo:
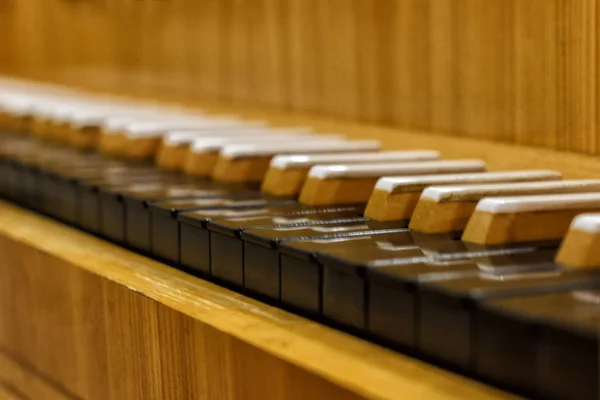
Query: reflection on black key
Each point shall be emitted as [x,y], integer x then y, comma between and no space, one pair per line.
[447,304]
[394,286]
[541,345]
[164,224]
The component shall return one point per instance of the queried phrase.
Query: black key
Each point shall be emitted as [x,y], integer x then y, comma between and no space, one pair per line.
[541,345]
[447,305]
[227,223]
[261,260]
[393,285]
[89,207]
[138,198]
[58,185]
[226,231]
[18,182]
[165,226]
[110,221]
[5,171]
[115,202]
[22,173]
[342,261]
[315,279]
[59,192]
[31,183]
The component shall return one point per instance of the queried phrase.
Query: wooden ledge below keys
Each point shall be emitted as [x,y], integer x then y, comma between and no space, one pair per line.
[110,324]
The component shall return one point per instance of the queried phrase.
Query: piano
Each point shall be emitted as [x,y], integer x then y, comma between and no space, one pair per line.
[493,274]
[298,199]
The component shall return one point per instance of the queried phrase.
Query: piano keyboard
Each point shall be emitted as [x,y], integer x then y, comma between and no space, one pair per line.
[492,273]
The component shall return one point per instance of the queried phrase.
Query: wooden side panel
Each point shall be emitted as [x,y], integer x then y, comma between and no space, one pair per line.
[97,339]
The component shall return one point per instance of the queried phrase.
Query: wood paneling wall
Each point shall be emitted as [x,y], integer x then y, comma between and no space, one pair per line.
[519,71]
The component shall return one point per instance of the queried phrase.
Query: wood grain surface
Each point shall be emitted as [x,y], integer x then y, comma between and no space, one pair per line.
[20,380]
[522,72]
[100,322]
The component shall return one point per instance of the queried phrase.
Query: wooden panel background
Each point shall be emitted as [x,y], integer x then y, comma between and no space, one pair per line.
[519,71]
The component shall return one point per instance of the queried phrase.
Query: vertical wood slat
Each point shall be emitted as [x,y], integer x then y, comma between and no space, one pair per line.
[304,56]
[522,72]
[267,50]
[485,99]
[537,108]
[336,24]
[239,15]
[410,78]
[8,19]
[173,77]
[373,41]
[208,44]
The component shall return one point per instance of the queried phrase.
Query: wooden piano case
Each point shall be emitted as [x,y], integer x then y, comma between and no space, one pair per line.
[82,318]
